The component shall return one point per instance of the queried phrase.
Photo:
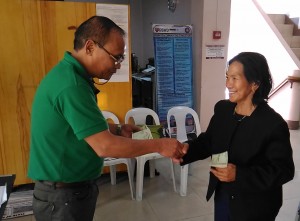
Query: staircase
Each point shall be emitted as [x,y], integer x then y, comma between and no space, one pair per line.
[288,30]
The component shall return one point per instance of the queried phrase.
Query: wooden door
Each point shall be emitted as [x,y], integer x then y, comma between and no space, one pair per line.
[35,35]
[22,67]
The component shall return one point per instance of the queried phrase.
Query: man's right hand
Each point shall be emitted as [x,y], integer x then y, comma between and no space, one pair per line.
[184,150]
[170,147]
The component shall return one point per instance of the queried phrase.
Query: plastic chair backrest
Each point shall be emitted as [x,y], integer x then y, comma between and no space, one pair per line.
[110,115]
[180,113]
[140,114]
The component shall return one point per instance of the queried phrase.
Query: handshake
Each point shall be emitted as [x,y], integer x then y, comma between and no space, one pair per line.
[172,148]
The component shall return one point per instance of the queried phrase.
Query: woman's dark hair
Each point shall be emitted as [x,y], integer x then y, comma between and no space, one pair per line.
[256,70]
[96,28]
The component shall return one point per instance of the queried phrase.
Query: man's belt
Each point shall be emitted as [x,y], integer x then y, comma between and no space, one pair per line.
[66,185]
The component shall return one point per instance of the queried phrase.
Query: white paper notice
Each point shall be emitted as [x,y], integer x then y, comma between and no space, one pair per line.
[215,51]
[118,14]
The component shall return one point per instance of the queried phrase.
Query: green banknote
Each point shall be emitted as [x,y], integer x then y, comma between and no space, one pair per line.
[219,160]
[144,134]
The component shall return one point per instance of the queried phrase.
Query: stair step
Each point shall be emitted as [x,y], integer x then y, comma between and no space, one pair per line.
[295,42]
[296,51]
[285,29]
[277,18]
[288,39]
[292,41]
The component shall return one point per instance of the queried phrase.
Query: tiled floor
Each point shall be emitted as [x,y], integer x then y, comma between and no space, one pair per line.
[161,203]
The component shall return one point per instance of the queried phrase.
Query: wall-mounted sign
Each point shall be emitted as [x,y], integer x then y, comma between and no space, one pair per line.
[215,52]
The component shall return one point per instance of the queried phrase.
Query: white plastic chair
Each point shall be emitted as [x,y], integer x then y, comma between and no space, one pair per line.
[139,115]
[180,113]
[112,162]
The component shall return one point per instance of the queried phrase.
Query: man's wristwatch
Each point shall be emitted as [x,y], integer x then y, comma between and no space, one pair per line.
[118,129]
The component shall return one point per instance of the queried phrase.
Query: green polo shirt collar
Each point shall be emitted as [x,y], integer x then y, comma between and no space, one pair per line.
[80,70]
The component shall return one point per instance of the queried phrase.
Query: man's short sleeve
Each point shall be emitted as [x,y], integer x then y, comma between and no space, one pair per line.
[79,107]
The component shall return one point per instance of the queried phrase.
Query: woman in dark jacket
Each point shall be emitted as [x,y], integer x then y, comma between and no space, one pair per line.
[249,144]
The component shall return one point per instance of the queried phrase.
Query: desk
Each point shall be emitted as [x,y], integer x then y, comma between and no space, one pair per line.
[143,90]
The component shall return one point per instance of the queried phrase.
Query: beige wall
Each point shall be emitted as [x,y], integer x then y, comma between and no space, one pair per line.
[197,22]
[216,16]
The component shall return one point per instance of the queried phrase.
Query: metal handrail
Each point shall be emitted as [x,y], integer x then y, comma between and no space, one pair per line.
[290,79]
[276,89]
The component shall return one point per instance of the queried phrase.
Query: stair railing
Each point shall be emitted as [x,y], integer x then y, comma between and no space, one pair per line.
[289,79]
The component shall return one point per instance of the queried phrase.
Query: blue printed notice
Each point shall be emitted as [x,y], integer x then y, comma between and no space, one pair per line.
[174,67]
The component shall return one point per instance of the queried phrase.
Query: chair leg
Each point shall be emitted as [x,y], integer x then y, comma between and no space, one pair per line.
[183,179]
[113,172]
[173,176]
[140,178]
[130,171]
[190,169]
[152,168]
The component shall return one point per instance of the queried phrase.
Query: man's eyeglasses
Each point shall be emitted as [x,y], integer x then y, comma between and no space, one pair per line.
[118,59]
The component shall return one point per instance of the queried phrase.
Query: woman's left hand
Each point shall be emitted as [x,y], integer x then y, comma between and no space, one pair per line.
[226,174]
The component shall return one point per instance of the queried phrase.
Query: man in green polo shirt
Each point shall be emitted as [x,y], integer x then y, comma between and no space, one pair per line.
[69,135]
